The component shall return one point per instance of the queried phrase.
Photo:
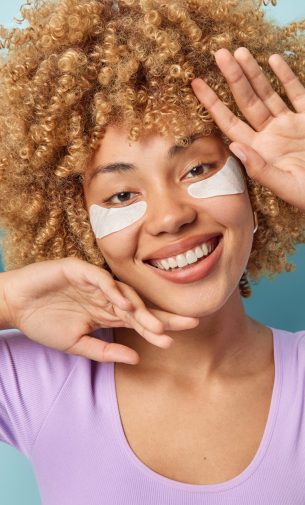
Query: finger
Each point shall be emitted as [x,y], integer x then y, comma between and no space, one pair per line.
[174,321]
[134,321]
[101,351]
[113,294]
[261,85]
[148,320]
[293,87]
[103,280]
[142,320]
[140,311]
[139,318]
[267,175]
[232,126]
[252,107]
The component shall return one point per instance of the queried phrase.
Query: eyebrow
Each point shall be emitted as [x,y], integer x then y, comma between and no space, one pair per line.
[120,166]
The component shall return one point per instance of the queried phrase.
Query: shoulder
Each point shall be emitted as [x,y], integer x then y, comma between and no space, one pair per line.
[290,346]
[16,346]
[289,338]
[32,377]
[34,367]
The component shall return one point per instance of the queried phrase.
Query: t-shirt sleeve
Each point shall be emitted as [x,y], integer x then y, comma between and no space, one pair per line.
[31,377]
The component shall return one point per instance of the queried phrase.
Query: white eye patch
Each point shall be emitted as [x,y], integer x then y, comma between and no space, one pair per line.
[105,221]
[228,180]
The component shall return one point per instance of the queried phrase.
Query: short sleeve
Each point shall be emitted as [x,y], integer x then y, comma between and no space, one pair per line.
[31,377]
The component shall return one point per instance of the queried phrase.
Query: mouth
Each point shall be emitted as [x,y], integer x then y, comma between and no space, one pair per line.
[187,258]
[201,263]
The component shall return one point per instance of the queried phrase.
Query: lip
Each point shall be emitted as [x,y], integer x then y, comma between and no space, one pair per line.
[193,272]
[180,247]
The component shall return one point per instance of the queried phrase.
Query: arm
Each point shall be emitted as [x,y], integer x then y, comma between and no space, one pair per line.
[58,303]
[4,311]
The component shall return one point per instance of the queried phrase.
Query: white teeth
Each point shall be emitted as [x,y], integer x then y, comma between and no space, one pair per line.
[172,262]
[199,252]
[187,258]
[181,260]
[191,257]
[165,264]
[205,249]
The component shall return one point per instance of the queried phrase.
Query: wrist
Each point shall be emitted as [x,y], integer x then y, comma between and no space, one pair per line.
[5,315]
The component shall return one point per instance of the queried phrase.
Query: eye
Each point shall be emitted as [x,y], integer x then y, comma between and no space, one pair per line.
[201,168]
[122,197]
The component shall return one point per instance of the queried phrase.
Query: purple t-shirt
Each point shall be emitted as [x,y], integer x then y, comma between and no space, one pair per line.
[61,412]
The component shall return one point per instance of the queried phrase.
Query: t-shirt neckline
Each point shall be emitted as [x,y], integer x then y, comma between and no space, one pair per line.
[222,486]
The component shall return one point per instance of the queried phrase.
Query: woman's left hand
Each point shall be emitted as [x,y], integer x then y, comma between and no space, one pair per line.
[273,151]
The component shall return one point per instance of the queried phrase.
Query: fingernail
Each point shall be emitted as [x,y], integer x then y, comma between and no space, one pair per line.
[130,361]
[167,341]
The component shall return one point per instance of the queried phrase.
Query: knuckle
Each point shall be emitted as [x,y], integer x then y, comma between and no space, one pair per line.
[125,316]
[236,77]
[232,122]
[213,101]
[251,100]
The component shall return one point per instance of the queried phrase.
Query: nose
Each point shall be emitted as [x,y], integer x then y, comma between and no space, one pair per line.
[167,212]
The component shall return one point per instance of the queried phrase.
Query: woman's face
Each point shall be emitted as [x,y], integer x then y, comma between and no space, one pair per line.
[171,215]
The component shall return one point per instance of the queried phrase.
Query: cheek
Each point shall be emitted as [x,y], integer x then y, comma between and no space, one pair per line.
[236,215]
[120,246]
[230,211]
[116,230]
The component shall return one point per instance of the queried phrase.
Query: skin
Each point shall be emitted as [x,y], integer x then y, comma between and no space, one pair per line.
[220,344]
[271,148]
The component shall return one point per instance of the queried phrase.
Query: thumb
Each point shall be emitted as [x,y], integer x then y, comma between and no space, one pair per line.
[255,165]
[283,183]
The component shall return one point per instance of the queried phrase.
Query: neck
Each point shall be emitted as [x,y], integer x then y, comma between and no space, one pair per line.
[222,343]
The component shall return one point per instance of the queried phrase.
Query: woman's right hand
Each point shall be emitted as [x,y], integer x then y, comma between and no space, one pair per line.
[57,303]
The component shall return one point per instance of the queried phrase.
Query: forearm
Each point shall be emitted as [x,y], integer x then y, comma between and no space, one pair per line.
[5,322]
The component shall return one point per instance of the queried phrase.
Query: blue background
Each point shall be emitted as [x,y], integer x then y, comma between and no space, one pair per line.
[279,303]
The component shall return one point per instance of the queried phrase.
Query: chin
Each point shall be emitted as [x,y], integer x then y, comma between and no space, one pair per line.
[199,306]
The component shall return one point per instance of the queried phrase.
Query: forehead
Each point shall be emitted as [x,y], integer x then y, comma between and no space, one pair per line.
[115,144]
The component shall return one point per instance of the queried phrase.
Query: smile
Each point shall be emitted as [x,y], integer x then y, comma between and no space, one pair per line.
[194,270]
[187,258]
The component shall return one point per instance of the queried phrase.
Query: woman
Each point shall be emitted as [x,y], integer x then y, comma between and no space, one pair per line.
[116,155]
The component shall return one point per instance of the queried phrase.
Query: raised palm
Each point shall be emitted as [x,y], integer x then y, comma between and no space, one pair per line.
[273,150]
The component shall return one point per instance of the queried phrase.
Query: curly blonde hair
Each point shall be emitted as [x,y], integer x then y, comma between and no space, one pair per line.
[80,65]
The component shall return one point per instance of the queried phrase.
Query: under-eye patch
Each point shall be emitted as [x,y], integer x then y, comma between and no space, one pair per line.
[105,221]
[228,180]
